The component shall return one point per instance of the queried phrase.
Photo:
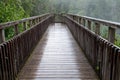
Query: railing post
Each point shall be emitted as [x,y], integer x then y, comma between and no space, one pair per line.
[77,19]
[2,35]
[83,21]
[97,28]
[89,25]
[30,23]
[24,25]
[34,21]
[111,35]
[39,19]
[80,20]
[16,29]
[73,17]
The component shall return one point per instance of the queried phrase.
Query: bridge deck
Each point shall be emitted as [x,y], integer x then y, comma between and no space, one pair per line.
[57,57]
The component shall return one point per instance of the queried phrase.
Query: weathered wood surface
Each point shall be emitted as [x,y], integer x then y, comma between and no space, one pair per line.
[112,26]
[15,52]
[102,54]
[12,23]
[57,57]
[32,21]
[100,21]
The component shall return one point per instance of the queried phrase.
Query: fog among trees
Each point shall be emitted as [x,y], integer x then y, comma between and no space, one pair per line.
[11,10]
[104,9]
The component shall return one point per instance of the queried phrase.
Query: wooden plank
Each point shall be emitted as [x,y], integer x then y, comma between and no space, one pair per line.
[1,66]
[57,57]
[100,52]
[4,62]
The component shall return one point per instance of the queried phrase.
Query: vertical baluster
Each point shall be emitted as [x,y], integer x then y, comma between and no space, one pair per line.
[24,25]
[36,21]
[111,35]
[80,19]
[2,35]
[16,29]
[30,23]
[33,21]
[83,21]
[77,19]
[97,28]
[73,17]
[89,25]
[39,19]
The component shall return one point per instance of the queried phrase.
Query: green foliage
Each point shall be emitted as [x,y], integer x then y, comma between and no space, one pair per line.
[28,6]
[117,40]
[104,32]
[41,7]
[11,10]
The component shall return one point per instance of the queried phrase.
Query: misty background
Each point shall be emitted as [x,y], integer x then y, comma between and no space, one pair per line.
[103,9]
[18,9]
[11,10]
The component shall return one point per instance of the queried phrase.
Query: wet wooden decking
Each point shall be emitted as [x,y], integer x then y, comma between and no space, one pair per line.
[57,57]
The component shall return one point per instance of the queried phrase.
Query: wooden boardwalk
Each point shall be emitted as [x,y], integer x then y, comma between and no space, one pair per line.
[57,57]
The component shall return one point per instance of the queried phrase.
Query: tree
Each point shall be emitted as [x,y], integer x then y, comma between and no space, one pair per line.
[41,7]
[10,10]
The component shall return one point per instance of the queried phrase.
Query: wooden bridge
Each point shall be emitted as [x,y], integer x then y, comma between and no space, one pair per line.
[59,47]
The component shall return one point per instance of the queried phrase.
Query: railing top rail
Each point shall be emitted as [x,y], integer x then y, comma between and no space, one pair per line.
[90,42]
[99,37]
[12,23]
[101,21]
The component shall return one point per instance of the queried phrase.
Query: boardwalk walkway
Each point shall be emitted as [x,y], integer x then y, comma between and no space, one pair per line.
[57,57]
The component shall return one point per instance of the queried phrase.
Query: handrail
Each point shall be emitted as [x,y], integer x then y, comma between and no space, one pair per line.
[88,21]
[92,32]
[103,55]
[25,22]
[12,23]
[15,52]
[100,21]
